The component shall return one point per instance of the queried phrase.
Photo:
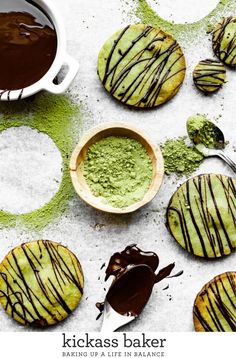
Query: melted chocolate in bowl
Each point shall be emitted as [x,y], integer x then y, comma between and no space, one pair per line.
[28,44]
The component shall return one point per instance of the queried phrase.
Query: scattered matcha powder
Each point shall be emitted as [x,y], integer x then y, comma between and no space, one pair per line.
[180,158]
[142,10]
[60,119]
[118,169]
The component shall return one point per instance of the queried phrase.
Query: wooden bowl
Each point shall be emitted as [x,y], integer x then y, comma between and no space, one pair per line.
[121,130]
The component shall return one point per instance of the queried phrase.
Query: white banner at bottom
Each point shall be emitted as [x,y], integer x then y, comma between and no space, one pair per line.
[117,345]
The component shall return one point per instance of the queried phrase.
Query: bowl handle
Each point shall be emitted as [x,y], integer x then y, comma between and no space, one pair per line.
[73,67]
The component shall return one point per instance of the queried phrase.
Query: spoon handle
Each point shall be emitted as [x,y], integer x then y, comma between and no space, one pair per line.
[227,159]
[113,320]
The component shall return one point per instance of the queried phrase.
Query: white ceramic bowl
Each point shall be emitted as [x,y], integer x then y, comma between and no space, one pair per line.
[62,58]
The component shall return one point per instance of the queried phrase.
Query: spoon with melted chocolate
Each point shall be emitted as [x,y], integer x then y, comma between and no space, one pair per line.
[134,279]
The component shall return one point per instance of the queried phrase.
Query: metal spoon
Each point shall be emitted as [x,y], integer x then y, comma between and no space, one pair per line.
[113,320]
[217,146]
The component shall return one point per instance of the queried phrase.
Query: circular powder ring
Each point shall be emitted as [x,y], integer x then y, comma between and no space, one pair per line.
[148,16]
[54,116]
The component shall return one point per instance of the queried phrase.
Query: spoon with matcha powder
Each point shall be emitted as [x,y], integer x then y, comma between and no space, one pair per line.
[208,138]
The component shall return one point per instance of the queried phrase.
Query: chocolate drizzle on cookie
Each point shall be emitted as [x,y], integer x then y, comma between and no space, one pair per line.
[209,76]
[224,40]
[215,306]
[36,280]
[142,66]
[201,215]
[135,277]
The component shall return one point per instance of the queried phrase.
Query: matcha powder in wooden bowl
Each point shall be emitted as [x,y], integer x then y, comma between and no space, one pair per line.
[118,169]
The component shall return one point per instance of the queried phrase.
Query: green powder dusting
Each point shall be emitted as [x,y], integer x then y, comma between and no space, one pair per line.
[180,158]
[147,15]
[60,119]
[201,130]
[118,169]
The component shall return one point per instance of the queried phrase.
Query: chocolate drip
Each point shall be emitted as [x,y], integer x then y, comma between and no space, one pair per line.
[165,272]
[134,278]
[178,274]
[28,45]
[28,303]
[215,306]
[100,306]
[132,255]
[203,214]
[147,70]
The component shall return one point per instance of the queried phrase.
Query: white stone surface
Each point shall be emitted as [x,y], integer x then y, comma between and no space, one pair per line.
[94,236]
[30,170]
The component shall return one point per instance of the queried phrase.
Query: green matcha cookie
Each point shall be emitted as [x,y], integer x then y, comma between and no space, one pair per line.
[209,76]
[41,283]
[141,66]
[224,40]
[215,306]
[201,215]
